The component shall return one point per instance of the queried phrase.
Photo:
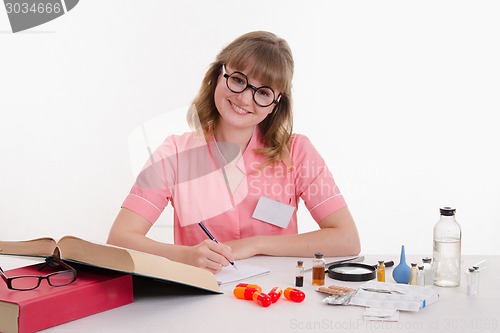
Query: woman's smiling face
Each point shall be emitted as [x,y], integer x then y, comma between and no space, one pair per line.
[239,110]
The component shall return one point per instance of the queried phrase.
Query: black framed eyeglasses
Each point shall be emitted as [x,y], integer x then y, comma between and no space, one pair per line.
[237,82]
[30,282]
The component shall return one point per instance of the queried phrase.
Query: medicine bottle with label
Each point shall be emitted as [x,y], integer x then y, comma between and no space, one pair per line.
[318,271]
[447,249]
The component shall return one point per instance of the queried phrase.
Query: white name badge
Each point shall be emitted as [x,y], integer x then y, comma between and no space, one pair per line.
[273,212]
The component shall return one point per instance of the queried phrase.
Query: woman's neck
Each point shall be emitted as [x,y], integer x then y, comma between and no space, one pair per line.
[241,138]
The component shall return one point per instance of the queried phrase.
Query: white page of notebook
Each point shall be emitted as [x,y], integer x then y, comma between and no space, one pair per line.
[244,271]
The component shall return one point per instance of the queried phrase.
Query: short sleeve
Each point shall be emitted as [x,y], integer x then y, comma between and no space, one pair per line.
[314,181]
[153,186]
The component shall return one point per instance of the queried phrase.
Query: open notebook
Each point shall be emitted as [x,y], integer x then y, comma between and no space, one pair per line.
[229,274]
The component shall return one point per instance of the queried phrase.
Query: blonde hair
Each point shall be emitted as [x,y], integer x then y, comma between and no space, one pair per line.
[272,63]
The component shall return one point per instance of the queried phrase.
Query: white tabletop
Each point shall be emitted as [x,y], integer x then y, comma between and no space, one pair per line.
[181,310]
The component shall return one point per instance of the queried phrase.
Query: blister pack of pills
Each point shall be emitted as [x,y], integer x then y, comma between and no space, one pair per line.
[338,295]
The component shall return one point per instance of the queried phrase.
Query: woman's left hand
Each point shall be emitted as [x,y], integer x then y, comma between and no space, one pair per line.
[244,248]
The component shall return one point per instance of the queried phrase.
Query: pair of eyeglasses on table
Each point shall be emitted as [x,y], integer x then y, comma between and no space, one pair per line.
[55,279]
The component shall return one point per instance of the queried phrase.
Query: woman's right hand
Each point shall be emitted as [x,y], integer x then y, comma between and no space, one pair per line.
[129,230]
[209,255]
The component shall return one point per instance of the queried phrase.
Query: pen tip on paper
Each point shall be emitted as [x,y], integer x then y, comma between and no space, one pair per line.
[234,265]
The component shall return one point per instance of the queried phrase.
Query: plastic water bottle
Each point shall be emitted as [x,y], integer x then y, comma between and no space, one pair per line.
[447,249]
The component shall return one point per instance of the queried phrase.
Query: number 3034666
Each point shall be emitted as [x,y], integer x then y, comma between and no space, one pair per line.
[481,324]
[34,8]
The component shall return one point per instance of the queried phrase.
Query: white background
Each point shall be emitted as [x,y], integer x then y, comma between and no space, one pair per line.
[401,98]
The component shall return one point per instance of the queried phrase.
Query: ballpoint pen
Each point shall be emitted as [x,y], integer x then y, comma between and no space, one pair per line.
[213,238]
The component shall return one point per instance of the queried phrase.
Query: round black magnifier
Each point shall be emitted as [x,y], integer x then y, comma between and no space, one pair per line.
[355,272]
[352,272]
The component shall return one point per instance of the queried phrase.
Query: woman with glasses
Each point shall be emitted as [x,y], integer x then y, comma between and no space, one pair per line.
[240,171]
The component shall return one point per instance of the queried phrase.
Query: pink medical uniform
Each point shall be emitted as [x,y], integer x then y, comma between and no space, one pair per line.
[202,186]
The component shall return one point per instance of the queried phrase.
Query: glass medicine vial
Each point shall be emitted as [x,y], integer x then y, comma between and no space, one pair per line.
[428,271]
[413,274]
[381,271]
[421,276]
[299,274]
[318,271]
[473,281]
[447,249]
